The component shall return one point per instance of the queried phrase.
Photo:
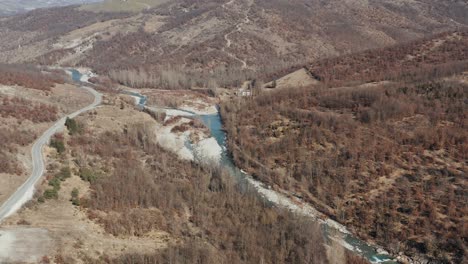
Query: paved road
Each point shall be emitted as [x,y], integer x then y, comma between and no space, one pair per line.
[26,191]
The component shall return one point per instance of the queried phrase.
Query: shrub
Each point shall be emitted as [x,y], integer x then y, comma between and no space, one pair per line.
[75,197]
[72,126]
[58,144]
[55,183]
[64,173]
[88,175]
[51,194]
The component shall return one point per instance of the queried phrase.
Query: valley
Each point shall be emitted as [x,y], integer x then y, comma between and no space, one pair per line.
[240,131]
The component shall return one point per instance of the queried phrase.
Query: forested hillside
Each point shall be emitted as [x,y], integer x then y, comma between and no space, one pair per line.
[387,159]
[31,98]
[434,56]
[213,221]
[180,44]
[377,140]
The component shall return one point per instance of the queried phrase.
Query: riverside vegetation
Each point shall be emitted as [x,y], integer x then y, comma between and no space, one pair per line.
[386,159]
[138,188]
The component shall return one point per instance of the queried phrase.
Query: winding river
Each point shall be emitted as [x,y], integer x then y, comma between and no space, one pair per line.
[331,229]
[351,242]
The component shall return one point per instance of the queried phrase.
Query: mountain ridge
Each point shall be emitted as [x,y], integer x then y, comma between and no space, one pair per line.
[233,39]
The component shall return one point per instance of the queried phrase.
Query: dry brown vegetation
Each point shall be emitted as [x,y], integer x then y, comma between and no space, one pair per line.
[45,21]
[180,44]
[23,109]
[140,59]
[138,187]
[30,100]
[14,136]
[28,76]
[435,56]
[11,139]
[387,160]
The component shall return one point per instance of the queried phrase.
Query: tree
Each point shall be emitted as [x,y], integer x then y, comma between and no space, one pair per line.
[72,126]
[58,145]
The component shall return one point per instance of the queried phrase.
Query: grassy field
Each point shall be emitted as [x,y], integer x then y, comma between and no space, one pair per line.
[122,5]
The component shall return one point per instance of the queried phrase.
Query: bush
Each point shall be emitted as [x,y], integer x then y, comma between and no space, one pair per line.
[72,126]
[58,144]
[51,194]
[64,173]
[75,197]
[55,183]
[88,175]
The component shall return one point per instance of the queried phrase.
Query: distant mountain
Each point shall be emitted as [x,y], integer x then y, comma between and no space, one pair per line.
[9,7]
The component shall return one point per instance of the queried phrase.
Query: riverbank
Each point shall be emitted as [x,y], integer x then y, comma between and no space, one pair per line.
[180,144]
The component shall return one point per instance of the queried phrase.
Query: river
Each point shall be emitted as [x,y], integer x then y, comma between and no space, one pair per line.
[330,229]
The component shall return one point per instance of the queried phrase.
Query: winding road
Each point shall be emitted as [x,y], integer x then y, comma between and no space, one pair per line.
[26,191]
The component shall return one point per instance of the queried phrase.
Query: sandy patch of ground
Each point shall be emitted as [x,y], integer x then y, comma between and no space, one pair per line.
[114,119]
[190,144]
[153,24]
[175,142]
[299,78]
[200,108]
[70,231]
[17,245]
[208,151]
[76,37]
[192,101]
[7,90]
[461,78]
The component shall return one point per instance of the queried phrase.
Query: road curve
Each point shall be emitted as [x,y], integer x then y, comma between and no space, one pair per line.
[26,191]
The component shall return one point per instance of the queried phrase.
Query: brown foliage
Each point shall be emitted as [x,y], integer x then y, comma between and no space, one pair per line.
[23,109]
[386,160]
[28,76]
[217,224]
[49,22]
[437,55]
[353,259]
[11,139]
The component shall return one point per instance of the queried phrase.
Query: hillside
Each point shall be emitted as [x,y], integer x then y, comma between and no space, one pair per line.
[184,43]
[31,100]
[348,118]
[386,158]
[11,7]
[140,203]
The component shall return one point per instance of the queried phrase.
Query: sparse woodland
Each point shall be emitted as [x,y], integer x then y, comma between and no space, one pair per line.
[13,135]
[138,187]
[28,76]
[276,36]
[23,109]
[387,160]
[434,56]
[45,21]
[10,139]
